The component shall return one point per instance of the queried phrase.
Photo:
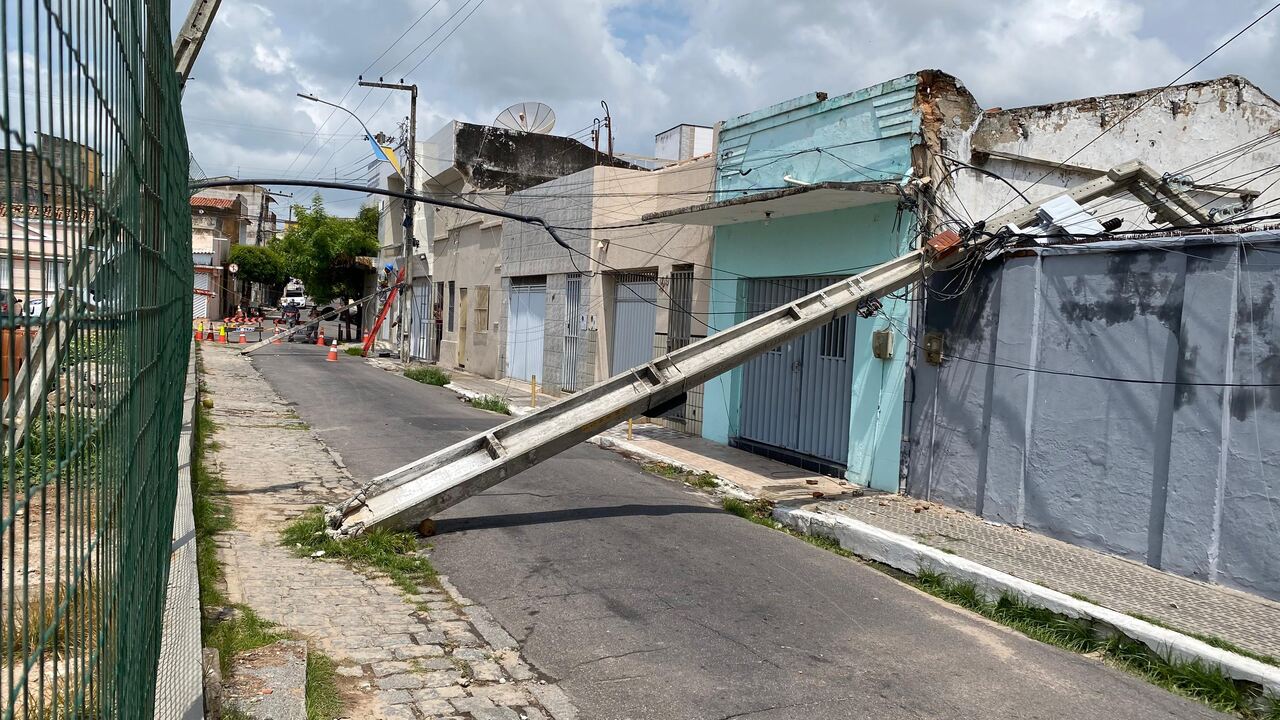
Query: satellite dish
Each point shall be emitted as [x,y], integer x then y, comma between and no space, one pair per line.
[527,117]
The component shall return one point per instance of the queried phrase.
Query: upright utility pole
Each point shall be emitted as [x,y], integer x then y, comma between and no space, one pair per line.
[608,127]
[406,293]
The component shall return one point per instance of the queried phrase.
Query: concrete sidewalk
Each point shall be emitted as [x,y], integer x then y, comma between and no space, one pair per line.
[1189,607]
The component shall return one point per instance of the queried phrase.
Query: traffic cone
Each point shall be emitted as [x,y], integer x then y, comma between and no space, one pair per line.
[199,331]
[222,334]
[209,333]
[275,333]
[244,332]
[333,352]
[320,337]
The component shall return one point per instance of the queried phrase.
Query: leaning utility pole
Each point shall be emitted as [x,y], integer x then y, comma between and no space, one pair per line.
[406,292]
[191,37]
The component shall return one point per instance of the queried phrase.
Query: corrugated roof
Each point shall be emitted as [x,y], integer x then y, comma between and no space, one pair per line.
[212,202]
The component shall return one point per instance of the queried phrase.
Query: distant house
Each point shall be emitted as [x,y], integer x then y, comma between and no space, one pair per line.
[455,291]
[215,221]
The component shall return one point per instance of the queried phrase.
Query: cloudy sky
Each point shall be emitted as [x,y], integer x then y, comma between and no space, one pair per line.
[662,62]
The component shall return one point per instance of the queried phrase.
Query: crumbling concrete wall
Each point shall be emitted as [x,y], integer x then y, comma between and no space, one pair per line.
[1171,130]
[1183,477]
[492,157]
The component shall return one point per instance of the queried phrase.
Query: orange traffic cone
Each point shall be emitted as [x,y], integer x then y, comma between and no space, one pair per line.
[199,332]
[333,352]
[209,333]
[275,332]
[222,334]
[244,332]
[320,337]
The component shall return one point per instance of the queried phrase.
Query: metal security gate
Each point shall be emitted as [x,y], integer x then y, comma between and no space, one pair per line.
[680,320]
[420,330]
[200,301]
[526,313]
[635,313]
[573,325]
[796,397]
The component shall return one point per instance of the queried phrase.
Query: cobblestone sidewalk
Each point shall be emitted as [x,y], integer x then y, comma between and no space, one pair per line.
[430,655]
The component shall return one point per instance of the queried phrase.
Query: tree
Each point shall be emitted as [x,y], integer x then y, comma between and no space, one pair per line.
[321,250]
[259,264]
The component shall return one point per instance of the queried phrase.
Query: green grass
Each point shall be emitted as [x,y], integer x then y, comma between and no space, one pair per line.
[243,630]
[394,553]
[492,403]
[701,481]
[323,700]
[209,506]
[428,375]
[1190,678]
[354,350]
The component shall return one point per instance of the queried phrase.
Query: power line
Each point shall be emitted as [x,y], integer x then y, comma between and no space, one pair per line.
[1151,96]
[397,40]
[446,37]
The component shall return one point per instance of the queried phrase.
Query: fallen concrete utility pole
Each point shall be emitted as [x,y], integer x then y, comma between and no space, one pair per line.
[405,497]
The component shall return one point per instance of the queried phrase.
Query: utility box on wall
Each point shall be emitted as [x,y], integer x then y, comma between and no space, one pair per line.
[882,344]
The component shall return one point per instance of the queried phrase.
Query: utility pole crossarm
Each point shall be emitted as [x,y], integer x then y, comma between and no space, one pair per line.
[408,495]
[186,47]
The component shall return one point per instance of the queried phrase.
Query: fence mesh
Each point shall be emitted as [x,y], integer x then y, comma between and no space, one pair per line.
[95,288]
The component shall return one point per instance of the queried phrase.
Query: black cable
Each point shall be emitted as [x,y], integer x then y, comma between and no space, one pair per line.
[1150,96]
[984,171]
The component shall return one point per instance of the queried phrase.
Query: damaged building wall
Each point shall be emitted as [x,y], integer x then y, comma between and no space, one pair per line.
[1171,130]
[1185,478]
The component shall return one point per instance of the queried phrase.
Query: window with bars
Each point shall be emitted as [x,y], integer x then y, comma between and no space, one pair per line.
[453,303]
[55,274]
[482,308]
[6,272]
[834,334]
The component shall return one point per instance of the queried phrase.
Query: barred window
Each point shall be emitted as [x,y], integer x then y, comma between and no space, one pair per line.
[55,274]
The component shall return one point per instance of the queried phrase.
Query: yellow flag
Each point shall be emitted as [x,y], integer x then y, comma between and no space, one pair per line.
[391,158]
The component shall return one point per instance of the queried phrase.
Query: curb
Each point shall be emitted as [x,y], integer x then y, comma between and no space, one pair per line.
[902,553]
[468,395]
[642,454]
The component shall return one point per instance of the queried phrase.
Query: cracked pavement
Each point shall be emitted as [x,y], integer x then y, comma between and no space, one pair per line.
[644,600]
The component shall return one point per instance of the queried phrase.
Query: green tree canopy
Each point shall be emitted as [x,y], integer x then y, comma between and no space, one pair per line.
[321,250]
[259,264]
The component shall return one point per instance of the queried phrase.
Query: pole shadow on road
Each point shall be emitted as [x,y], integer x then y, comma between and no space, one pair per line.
[491,522]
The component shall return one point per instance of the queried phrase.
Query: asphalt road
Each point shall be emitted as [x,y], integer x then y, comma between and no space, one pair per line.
[647,601]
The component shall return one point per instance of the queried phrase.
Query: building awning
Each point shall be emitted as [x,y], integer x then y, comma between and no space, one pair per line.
[773,204]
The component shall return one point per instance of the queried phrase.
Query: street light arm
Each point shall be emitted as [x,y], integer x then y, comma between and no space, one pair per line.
[315,99]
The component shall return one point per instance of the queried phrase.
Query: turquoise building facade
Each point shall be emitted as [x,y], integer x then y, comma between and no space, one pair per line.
[850,156]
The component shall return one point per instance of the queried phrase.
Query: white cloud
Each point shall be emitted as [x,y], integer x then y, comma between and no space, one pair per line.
[698,62]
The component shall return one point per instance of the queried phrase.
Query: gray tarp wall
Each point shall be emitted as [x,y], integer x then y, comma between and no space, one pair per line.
[1182,477]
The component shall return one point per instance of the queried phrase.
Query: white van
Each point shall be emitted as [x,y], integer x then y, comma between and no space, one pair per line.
[296,295]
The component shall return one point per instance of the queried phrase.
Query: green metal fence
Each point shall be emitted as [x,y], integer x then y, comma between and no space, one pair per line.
[95,273]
